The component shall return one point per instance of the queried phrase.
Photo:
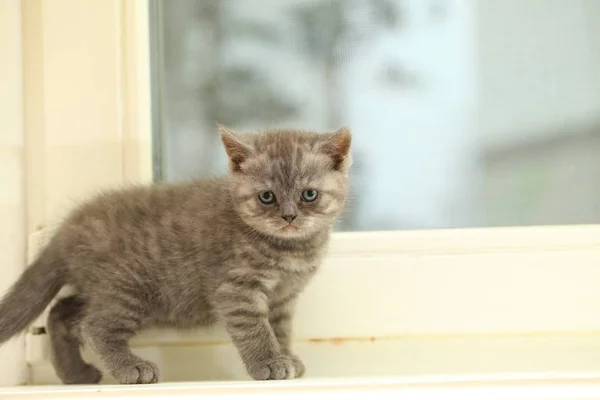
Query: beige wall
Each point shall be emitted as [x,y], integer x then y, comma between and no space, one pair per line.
[12,235]
[74,119]
[87,107]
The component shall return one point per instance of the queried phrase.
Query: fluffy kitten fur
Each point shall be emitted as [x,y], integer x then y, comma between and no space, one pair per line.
[187,255]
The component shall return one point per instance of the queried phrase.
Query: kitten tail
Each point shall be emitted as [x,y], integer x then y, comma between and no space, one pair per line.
[30,295]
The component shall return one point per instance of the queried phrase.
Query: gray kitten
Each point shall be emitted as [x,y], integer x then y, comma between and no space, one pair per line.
[237,249]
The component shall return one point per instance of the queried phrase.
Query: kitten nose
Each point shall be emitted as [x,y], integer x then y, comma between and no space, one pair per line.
[289,217]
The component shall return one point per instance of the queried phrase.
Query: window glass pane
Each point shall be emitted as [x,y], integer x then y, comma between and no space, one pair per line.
[464,113]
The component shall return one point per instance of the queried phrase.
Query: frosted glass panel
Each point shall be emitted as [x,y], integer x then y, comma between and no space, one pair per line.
[458,120]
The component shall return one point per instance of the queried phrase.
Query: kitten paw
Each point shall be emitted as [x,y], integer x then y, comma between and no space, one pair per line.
[298,366]
[86,375]
[138,372]
[276,368]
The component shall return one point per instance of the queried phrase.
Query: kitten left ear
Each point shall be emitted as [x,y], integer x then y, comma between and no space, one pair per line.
[237,151]
[338,148]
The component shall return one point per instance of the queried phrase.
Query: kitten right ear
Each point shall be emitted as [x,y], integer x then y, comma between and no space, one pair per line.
[337,147]
[237,151]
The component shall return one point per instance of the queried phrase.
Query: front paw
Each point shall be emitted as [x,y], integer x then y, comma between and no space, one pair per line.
[298,366]
[275,368]
[138,371]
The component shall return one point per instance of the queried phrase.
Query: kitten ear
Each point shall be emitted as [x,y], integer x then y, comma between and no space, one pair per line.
[338,148]
[237,151]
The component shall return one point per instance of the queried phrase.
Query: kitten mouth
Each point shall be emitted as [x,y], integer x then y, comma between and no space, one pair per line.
[289,227]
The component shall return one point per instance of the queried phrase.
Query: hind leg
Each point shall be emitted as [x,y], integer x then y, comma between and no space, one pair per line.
[107,330]
[65,341]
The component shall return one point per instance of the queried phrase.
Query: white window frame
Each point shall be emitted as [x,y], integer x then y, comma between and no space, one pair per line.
[87,125]
[12,185]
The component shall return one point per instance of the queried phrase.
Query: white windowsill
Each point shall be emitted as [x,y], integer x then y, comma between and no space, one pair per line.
[474,305]
[532,386]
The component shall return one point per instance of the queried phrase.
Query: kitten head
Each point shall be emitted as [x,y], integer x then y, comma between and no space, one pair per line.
[287,183]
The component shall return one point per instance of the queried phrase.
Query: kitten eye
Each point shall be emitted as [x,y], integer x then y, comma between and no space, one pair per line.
[309,195]
[267,197]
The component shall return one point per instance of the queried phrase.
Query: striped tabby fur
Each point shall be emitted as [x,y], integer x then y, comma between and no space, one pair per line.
[188,255]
